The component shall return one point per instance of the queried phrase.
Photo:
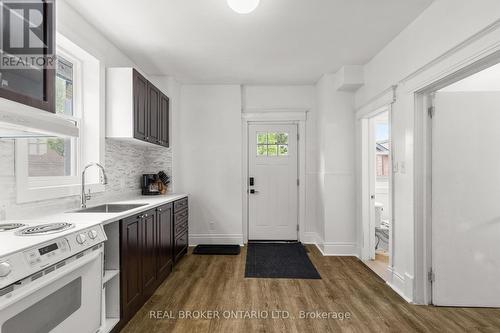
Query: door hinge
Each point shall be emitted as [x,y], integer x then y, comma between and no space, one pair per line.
[298,182]
[297,227]
[431,276]
[298,136]
[431,111]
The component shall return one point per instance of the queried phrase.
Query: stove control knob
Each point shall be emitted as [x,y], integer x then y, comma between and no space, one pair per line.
[80,239]
[92,234]
[4,269]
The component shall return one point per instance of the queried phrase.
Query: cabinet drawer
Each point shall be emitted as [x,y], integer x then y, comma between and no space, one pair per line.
[181,217]
[180,247]
[180,205]
[180,228]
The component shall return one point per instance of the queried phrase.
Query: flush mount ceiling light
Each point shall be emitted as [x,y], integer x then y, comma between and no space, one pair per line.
[243,6]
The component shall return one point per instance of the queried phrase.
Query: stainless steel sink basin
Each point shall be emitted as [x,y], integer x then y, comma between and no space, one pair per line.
[110,208]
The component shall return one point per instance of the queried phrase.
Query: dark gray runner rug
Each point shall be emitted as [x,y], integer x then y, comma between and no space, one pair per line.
[279,261]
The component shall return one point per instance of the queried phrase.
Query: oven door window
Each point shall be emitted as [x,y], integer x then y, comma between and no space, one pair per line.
[49,312]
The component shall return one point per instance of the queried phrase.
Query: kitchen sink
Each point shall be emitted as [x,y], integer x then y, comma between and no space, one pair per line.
[110,208]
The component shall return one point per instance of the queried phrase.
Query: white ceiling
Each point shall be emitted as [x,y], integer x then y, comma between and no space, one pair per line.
[282,41]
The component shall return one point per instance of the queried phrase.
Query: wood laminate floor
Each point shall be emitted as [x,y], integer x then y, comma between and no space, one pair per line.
[217,283]
[379,265]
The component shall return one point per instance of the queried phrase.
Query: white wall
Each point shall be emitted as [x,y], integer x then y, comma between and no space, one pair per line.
[208,155]
[440,28]
[73,26]
[336,178]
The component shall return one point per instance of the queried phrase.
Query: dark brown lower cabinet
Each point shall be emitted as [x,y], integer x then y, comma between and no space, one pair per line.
[181,214]
[181,245]
[149,254]
[131,264]
[165,237]
[150,243]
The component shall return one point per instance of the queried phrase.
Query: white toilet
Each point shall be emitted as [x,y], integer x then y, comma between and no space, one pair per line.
[381,229]
[378,214]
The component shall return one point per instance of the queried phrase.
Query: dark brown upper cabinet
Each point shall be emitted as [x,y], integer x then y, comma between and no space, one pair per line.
[136,108]
[164,120]
[33,84]
[140,91]
[154,114]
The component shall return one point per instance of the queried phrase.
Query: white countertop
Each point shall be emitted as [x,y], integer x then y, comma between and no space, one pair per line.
[10,243]
[105,218]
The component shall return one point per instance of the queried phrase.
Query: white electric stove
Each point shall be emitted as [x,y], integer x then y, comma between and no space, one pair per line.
[50,276]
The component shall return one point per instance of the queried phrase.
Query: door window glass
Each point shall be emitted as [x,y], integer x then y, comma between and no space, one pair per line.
[272,144]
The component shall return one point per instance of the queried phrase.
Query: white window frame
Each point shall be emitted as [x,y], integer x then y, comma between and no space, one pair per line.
[31,189]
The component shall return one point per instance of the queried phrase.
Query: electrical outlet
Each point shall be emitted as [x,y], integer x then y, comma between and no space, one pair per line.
[403,168]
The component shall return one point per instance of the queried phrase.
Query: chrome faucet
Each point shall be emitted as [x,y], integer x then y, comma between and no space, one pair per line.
[103,180]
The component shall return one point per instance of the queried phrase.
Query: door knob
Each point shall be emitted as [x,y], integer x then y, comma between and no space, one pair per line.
[252,191]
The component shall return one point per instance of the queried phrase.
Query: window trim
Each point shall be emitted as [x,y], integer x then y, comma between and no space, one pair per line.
[31,189]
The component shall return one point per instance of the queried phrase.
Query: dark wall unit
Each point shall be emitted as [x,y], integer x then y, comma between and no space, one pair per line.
[164,120]
[151,112]
[30,85]
[140,87]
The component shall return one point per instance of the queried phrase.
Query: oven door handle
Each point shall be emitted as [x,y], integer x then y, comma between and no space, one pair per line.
[48,279]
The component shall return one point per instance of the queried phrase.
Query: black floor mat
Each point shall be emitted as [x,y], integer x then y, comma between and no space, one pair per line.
[217,249]
[279,260]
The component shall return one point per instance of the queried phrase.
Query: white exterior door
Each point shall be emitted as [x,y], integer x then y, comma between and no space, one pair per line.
[466,199]
[272,158]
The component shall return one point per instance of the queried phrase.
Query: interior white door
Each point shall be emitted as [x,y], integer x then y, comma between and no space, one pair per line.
[466,199]
[272,158]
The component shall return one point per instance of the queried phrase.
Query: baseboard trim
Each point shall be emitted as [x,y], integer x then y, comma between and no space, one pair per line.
[398,284]
[195,239]
[309,238]
[331,248]
[340,249]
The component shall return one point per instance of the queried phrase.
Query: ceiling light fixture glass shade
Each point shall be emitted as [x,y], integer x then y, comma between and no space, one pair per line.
[243,6]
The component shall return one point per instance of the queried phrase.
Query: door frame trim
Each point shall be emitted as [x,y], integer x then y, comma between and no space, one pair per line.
[367,180]
[478,52]
[276,116]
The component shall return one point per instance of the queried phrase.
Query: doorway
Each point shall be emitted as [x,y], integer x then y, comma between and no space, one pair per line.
[273,182]
[378,166]
[464,137]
